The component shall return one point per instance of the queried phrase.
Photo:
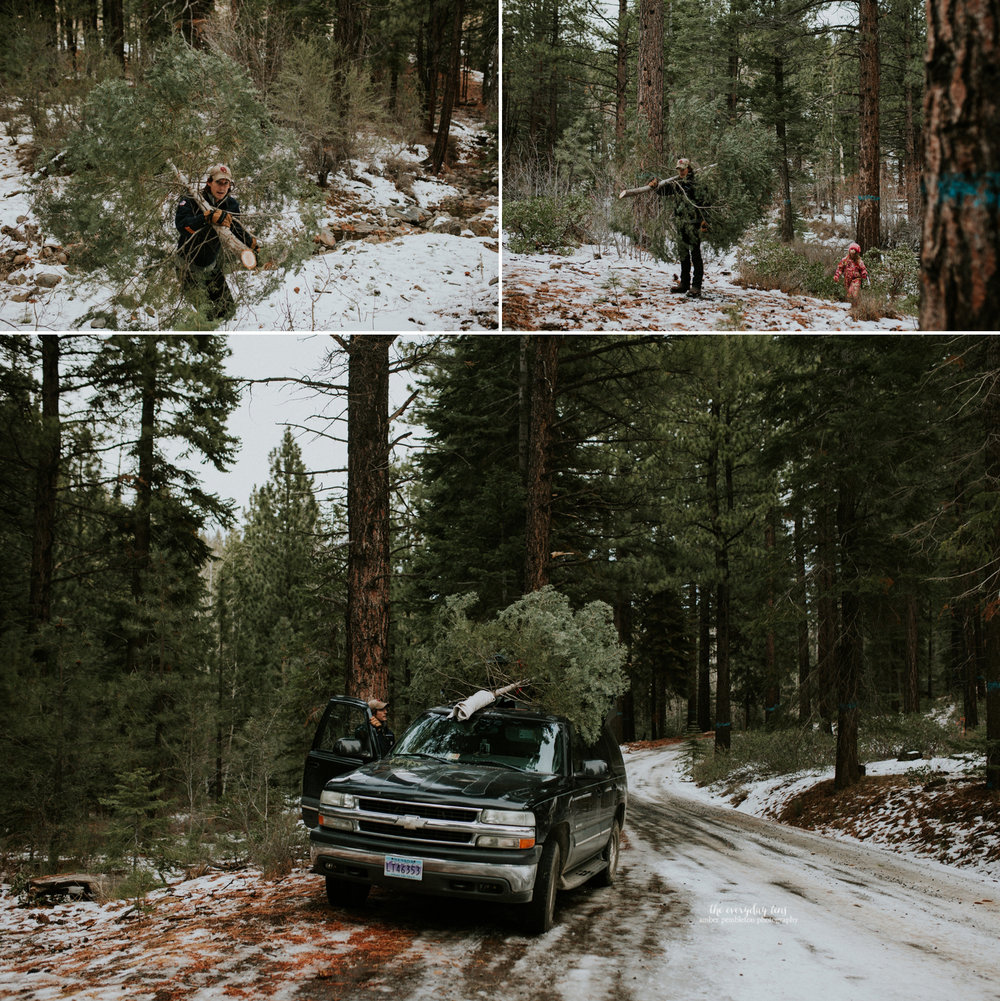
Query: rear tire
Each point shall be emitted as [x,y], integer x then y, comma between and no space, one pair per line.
[341,893]
[541,908]
[609,874]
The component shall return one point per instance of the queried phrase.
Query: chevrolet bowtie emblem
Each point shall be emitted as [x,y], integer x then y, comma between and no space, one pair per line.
[410,822]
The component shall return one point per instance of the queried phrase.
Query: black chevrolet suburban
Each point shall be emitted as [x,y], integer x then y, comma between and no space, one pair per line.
[507,805]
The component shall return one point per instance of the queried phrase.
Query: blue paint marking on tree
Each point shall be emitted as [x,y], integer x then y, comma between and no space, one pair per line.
[983,189]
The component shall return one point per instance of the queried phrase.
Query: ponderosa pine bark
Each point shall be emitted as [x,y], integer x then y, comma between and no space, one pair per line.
[650,71]
[368,567]
[960,254]
[869,196]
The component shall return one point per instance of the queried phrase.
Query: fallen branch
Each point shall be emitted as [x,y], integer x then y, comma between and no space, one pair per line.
[647,188]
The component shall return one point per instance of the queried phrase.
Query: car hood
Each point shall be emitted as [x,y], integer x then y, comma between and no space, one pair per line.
[403,777]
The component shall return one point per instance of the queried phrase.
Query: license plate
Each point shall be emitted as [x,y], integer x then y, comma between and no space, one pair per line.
[404,868]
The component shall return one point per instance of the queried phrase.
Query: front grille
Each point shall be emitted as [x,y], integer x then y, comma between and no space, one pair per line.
[424,834]
[462,815]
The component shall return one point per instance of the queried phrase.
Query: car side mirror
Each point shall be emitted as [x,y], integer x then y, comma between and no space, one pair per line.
[593,768]
[347,747]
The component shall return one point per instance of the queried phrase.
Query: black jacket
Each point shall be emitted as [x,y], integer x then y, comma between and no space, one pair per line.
[197,239]
[687,210]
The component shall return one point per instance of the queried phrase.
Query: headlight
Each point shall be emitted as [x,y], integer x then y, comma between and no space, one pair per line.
[342,800]
[508,818]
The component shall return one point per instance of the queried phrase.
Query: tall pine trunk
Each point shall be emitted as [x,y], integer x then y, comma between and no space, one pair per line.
[848,648]
[704,661]
[723,708]
[650,71]
[450,92]
[621,72]
[826,609]
[143,509]
[991,626]
[911,679]
[46,489]
[538,514]
[368,569]
[781,134]
[960,253]
[802,589]
[869,227]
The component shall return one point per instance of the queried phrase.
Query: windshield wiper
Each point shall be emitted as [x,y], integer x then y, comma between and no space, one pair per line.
[419,754]
[495,764]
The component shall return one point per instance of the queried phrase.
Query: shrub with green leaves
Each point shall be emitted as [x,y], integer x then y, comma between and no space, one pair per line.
[572,659]
[796,268]
[138,147]
[548,223]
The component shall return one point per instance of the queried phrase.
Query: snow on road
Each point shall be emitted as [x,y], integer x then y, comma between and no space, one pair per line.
[711,903]
[777,912]
[603,289]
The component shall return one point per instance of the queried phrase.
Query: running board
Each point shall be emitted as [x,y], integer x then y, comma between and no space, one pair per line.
[580,875]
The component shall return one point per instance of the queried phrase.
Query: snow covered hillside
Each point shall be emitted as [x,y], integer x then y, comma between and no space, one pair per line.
[398,249]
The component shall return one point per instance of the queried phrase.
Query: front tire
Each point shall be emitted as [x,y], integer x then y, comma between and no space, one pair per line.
[541,908]
[609,874]
[341,893]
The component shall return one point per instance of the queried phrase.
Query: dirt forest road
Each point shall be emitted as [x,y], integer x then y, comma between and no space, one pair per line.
[710,904]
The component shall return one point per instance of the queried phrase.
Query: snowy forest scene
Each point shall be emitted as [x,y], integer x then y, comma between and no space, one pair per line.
[356,147]
[764,567]
[395,165]
[688,165]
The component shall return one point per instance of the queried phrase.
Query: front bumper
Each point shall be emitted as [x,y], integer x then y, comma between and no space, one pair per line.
[505,882]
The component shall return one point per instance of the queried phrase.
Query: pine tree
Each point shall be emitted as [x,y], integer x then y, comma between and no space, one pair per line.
[189,109]
[161,390]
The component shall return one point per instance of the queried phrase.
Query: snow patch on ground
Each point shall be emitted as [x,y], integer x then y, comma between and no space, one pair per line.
[973,846]
[420,280]
[620,288]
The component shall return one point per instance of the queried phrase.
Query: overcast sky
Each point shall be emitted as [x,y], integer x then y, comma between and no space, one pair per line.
[265,411]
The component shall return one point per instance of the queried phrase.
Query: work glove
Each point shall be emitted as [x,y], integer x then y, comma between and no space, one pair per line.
[704,226]
[213,216]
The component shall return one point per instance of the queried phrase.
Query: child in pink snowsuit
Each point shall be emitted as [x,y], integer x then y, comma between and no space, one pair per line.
[854,271]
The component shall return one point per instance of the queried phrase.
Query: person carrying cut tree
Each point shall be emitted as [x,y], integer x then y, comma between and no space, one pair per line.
[199,246]
[853,270]
[690,217]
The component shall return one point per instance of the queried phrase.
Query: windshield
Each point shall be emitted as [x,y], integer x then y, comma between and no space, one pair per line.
[525,745]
